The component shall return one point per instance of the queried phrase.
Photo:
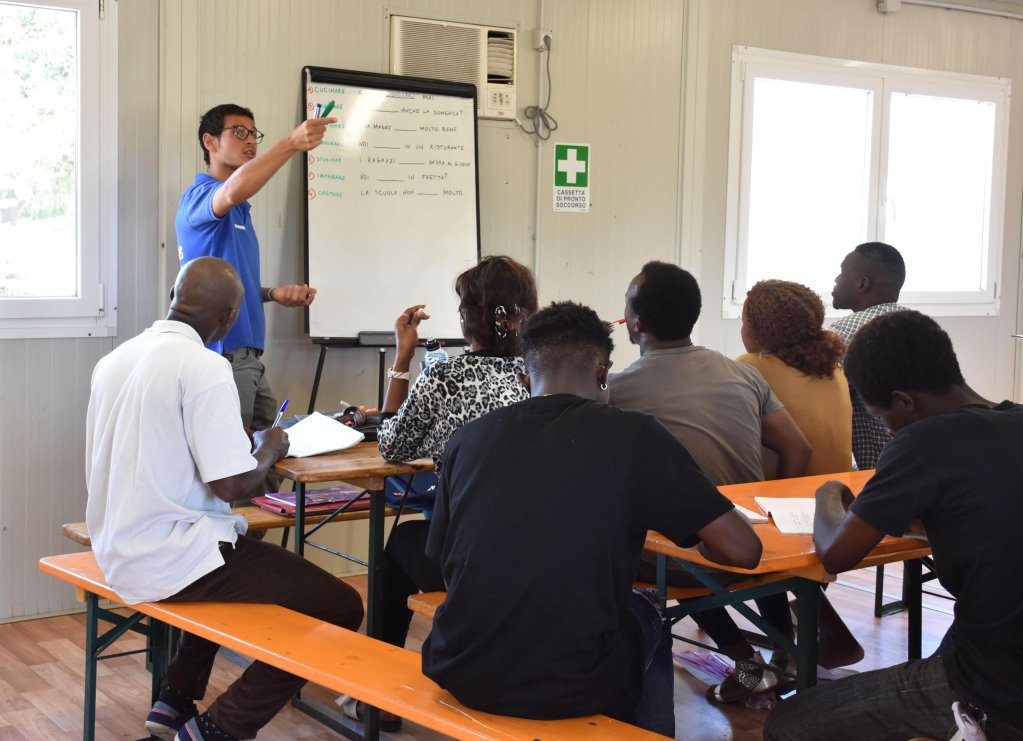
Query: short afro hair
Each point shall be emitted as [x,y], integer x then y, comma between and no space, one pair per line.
[888,262]
[668,301]
[564,332]
[901,351]
[212,122]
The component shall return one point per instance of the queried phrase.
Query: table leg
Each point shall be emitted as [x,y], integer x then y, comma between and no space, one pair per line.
[374,600]
[912,575]
[299,518]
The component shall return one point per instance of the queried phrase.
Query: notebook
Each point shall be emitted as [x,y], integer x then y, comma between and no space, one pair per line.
[317,501]
[792,515]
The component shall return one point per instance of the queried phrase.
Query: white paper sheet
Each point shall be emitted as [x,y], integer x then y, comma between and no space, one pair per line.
[792,516]
[753,517]
[318,433]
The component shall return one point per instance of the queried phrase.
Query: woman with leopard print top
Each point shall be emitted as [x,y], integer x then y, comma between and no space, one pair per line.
[496,298]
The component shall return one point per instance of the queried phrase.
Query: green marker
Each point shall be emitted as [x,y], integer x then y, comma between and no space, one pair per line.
[326,111]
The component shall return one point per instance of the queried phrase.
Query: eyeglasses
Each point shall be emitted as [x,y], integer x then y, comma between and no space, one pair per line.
[242,132]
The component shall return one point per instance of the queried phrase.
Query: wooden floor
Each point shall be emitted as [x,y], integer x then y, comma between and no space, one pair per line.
[41,670]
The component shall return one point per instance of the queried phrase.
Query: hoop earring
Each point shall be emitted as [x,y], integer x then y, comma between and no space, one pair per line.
[603,386]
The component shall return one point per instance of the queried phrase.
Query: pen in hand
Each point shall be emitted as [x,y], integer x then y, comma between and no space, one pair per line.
[280,413]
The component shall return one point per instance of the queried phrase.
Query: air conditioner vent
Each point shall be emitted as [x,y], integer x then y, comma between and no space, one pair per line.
[439,51]
[500,57]
[460,52]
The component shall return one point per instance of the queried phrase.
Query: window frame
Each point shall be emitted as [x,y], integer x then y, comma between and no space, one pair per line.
[749,63]
[93,312]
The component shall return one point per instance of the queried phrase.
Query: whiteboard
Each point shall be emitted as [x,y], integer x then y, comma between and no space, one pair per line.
[392,214]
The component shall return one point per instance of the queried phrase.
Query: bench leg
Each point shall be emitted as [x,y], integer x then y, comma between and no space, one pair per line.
[808,605]
[912,587]
[91,659]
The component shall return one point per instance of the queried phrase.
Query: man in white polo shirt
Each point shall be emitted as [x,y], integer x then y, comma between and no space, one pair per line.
[166,454]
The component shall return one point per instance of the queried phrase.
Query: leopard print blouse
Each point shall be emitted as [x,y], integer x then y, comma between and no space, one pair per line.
[445,397]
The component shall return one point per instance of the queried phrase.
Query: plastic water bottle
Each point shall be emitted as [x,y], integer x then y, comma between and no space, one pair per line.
[434,352]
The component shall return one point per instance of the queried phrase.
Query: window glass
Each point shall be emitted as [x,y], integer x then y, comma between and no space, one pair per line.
[938,192]
[809,178]
[39,236]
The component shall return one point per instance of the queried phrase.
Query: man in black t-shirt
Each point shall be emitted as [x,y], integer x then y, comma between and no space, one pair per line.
[541,515]
[953,471]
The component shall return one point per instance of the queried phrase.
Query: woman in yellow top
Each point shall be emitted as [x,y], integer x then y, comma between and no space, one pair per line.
[782,329]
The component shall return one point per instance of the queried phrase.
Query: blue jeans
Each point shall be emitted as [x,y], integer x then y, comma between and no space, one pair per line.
[656,709]
[900,702]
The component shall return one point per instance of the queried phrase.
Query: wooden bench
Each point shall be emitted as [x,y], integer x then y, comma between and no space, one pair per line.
[257,517]
[382,675]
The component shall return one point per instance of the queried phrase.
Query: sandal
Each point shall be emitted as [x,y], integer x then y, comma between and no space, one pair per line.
[748,678]
[358,710]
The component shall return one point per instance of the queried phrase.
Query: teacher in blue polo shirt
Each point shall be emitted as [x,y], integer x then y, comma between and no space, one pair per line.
[213,220]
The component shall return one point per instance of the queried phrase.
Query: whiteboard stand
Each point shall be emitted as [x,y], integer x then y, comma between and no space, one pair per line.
[326,344]
[380,340]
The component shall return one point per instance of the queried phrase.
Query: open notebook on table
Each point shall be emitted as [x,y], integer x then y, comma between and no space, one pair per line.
[318,433]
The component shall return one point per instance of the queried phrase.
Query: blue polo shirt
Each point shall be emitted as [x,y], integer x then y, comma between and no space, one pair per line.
[232,238]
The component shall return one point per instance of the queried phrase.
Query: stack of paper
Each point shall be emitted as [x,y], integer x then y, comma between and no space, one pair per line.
[792,515]
[318,433]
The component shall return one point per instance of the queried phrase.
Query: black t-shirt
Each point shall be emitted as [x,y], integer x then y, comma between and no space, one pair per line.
[542,511]
[961,474]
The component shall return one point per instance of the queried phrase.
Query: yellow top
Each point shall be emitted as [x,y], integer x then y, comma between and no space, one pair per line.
[820,406]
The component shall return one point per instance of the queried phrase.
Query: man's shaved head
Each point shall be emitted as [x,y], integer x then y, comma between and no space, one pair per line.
[206,296]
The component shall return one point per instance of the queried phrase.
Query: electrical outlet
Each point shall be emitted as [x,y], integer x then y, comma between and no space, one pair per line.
[542,39]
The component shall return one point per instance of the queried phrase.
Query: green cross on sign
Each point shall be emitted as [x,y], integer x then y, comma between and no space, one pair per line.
[571,166]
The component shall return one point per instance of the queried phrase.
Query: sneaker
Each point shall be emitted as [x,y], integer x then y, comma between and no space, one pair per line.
[748,678]
[189,731]
[164,720]
[202,728]
[358,710]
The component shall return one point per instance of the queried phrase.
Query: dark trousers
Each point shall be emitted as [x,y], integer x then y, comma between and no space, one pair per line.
[903,701]
[262,573]
[407,571]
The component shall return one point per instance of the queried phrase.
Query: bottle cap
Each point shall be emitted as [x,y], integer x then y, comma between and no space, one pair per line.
[432,344]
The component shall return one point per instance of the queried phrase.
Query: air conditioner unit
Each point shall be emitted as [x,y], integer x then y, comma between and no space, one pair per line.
[462,52]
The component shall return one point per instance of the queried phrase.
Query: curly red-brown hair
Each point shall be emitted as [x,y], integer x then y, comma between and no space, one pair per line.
[786,319]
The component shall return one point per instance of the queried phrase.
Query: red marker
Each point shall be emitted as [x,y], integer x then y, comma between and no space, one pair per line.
[619,321]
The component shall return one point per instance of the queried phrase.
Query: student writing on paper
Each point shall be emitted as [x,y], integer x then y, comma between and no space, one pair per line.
[954,465]
[542,513]
[166,454]
[723,412]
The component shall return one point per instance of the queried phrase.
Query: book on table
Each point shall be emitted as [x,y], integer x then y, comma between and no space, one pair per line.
[317,501]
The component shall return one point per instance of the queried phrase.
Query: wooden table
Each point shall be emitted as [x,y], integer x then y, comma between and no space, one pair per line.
[361,465]
[795,556]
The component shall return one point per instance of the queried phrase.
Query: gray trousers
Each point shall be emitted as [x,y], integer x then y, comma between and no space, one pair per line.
[259,407]
[893,704]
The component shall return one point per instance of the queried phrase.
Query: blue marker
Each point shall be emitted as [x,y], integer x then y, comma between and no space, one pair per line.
[280,413]
[316,110]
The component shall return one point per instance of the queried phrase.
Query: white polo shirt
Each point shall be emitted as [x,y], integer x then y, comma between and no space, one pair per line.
[163,421]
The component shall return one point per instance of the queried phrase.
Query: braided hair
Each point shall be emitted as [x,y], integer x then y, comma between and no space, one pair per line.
[786,319]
